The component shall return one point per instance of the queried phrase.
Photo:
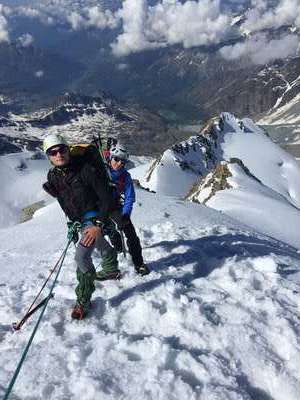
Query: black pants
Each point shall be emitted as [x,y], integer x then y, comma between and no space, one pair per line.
[133,243]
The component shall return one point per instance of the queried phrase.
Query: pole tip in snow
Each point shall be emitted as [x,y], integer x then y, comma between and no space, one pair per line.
[16,326]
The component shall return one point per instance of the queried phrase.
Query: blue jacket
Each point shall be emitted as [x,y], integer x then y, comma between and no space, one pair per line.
[123,180]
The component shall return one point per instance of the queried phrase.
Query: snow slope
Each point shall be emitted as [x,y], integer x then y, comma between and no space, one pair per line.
[271,206]
[21,180]
[266,160]
[217,318]
[284,115]
[253,203]
[283,125]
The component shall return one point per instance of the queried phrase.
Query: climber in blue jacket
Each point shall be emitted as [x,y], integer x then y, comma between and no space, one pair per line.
[125,191]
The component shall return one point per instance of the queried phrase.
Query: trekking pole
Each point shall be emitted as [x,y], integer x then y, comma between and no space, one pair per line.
[98,143]
[123,243]
[124,251]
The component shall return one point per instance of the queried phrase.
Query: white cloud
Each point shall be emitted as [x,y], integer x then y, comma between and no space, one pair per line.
[5,10]
[260,16]
[4,35]
[92,17]
[76,20]
[31,12]
[26,39]
[39,74]
[122,66]
[169,22]
[261,50]
[28,12]
[134,37]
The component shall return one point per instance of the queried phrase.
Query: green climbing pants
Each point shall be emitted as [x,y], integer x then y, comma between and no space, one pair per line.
[85,267]
[85,287]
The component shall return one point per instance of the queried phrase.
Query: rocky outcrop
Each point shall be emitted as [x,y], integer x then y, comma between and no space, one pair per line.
[218,179]
[28,212]
[207,187]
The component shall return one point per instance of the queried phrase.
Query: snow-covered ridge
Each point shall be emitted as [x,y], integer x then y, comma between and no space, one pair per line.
[269,176]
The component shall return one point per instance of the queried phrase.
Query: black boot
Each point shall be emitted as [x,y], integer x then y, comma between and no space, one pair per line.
[142,269]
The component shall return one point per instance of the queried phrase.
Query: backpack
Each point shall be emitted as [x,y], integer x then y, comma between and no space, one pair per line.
[88,153]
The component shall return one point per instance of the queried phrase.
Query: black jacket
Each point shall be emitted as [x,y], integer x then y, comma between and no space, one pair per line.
[80,187]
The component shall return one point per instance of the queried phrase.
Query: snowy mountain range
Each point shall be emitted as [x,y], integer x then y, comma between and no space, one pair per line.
[245,62]
[218,316]
[80,118]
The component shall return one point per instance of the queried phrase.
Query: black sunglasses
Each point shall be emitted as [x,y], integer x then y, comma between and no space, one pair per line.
[117,159]
[60,149]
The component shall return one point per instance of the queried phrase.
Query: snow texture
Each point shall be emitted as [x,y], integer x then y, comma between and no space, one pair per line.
[217,318]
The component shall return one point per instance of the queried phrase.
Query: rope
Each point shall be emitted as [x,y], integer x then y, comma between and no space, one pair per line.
[19,366]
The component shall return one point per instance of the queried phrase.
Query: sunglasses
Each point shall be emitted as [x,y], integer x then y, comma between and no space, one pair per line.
[118,159]
[60,150]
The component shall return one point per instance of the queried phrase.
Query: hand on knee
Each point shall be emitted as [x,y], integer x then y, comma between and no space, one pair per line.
[90,234]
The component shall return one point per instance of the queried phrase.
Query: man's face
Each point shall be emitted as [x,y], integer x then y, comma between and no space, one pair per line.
[59,155]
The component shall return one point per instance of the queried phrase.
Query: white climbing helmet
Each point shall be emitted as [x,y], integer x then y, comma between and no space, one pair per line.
[119,151]
[53,140]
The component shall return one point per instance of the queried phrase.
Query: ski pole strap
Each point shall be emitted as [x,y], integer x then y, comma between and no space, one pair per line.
[19,366]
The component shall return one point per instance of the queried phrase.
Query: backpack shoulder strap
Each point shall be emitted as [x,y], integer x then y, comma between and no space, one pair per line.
[122,181]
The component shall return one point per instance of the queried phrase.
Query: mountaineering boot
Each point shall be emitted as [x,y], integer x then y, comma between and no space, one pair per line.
[142,269]
[107,275]
[80,311]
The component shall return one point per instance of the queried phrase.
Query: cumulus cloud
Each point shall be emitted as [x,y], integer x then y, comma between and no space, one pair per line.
[261,16]
[261,50]
[145,25]
[26,40]
[39,74]
[92,17]
[4,36]
[193,23]
[135,36]
[30,12]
